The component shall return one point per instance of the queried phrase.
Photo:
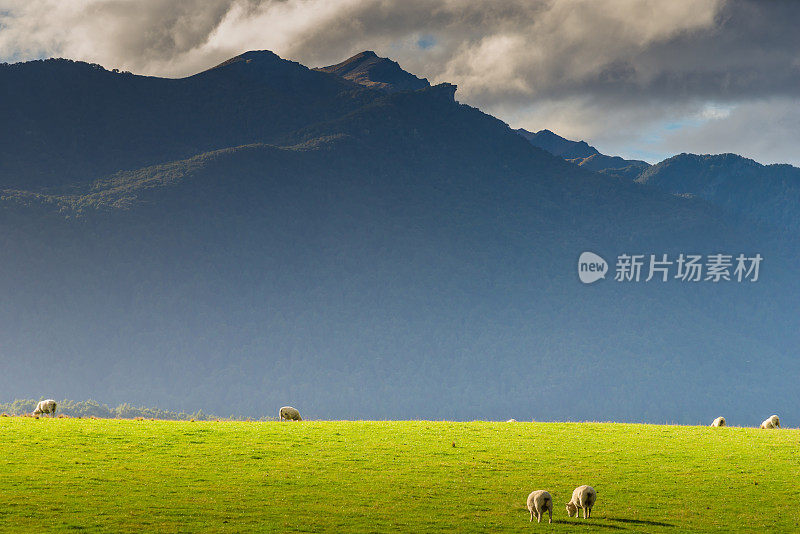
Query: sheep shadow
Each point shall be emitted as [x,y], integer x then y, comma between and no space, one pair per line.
[590,523]
[640,522]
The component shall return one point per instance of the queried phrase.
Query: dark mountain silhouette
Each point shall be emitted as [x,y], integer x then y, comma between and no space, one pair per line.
[361,253]
[764,194]
[74,122]
[369,70]
[767,194]
[557,145]
[583,154]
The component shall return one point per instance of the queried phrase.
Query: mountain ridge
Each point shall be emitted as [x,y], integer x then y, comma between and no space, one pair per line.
[368,69]
[583,154]
[63,137]
[765,194]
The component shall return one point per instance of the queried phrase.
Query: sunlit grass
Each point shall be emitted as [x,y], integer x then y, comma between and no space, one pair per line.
[140,476]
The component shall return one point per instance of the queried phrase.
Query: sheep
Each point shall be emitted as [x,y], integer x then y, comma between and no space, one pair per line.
[772,422]
[538,502]
[511,421]
[583,497]
[287,413]
[719,421]
[46,406]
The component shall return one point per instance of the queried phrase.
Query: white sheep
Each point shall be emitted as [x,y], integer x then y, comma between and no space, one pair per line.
[719,421]
[538,502]
[772,422]
[46,406]
[287,413]
[511,421]
[583,497]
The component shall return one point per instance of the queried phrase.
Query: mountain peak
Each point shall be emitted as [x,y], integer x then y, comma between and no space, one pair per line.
[258,56]
[370,70]
[557,145]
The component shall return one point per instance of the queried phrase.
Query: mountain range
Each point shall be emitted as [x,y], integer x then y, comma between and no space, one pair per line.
[355,242]
[762,194]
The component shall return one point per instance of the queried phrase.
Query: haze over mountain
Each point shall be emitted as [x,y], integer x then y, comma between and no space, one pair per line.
[766,194]
[262,234]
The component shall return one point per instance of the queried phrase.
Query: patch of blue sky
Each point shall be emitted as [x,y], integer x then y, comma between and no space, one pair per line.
[413,42]
[648,145]
[17,57]
[672,126]
[426,41]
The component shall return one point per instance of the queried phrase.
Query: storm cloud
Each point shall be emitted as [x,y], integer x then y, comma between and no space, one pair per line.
[640,78]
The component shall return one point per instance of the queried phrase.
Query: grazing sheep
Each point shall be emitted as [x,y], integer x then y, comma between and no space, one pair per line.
[46,406]
[538,502]
[583,497]
[287,413]
[719,421]
[511,421]
[772,422]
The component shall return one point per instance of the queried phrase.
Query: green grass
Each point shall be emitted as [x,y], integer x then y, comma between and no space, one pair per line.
[58,475]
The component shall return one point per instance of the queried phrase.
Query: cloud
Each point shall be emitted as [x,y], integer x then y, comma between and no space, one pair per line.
[613,72]
[170,38]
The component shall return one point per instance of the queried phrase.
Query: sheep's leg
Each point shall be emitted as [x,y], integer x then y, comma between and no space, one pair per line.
[531,516]
[584,513]
[538,516]
[551,514]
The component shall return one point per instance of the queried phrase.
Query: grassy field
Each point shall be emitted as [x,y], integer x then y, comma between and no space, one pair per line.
[58,475]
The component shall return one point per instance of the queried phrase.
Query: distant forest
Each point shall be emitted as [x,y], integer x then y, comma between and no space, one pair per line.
[92,408]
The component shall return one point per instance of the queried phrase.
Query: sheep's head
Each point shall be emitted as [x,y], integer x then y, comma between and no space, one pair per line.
[572,510]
